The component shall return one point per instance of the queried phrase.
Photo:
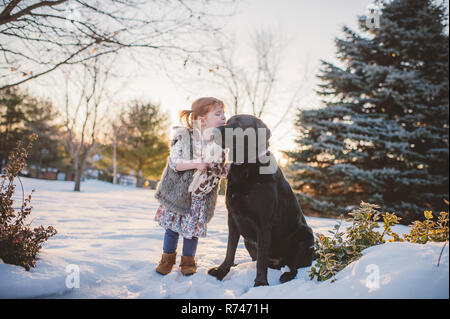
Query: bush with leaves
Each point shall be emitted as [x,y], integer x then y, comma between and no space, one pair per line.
[332,254]
[19,244]
[336,252]
[429,230]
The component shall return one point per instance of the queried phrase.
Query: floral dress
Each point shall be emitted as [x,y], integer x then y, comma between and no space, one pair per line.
[194,223]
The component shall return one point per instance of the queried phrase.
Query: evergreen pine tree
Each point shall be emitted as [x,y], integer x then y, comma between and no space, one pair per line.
[11,118]
[383,135]
[144,146]
[47,152]
[21,114]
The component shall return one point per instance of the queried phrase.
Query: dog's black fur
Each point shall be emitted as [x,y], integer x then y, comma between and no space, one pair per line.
[263,210]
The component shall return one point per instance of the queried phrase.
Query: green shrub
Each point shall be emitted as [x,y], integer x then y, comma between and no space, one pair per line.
[429,230]
[332,254]
[336,252]
[19,244]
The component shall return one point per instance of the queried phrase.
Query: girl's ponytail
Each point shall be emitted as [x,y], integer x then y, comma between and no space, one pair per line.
[185,116]
[200,108]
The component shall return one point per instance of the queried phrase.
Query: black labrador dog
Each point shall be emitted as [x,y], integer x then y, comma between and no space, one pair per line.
[261,208]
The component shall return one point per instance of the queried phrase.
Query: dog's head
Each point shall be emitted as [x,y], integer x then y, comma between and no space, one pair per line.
[245,135]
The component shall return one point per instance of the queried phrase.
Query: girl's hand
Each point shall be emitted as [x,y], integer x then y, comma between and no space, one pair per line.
[202,165]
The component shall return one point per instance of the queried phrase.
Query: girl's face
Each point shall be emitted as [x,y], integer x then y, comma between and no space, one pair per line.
[214,118]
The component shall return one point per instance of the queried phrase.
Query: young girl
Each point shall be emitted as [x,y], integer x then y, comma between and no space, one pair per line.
[180,213]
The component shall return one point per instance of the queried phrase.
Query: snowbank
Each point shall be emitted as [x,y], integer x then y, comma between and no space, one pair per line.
[107,235]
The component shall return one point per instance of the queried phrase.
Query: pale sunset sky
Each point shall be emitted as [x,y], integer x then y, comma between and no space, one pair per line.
[310,26]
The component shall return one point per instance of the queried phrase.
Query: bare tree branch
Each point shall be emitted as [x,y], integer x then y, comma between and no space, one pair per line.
[258,88]
[81,136]
[6,12]
[33,34]
[6,17]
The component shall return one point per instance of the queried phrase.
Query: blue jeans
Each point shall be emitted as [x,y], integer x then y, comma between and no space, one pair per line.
[171,242]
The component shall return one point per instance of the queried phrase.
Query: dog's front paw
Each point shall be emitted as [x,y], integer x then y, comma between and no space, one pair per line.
[287,276]
[260,283]
[218,272]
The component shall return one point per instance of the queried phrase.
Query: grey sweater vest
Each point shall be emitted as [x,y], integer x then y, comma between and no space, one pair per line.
[172,190]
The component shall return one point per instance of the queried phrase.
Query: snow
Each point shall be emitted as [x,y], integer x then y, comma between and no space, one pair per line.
[107,233]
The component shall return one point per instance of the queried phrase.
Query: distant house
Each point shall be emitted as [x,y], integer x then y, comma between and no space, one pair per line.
[127,180]
[47,173]
[50,174]
[131,180]
[91,173]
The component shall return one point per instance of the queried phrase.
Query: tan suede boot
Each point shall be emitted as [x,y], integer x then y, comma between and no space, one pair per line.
[166,263]
[188,266]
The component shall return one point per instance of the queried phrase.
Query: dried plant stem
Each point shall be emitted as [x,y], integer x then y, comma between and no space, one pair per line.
[439,260]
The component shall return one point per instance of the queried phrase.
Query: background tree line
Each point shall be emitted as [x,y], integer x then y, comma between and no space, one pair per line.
[20,116]
[140,138]
[84,45]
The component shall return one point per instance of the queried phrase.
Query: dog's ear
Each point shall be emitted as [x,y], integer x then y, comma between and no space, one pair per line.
[261,124]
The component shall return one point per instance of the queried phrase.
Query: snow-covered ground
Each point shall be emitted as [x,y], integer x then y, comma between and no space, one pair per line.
[107,233]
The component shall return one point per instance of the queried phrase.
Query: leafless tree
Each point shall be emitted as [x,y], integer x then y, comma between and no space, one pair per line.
[37,37]
[84,95]
[252,83]
[116,134]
